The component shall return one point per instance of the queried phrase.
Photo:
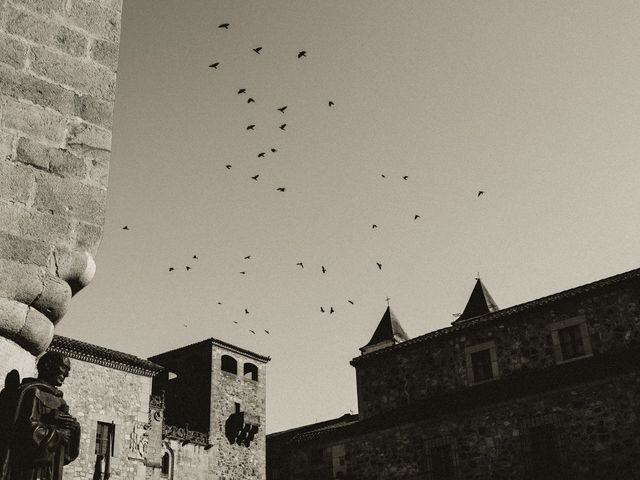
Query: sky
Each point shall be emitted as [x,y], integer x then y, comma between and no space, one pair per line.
[535,103]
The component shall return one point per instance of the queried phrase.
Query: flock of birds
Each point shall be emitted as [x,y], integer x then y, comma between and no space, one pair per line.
[251,127]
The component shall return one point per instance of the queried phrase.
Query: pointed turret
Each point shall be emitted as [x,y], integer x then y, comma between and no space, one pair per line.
[479,303]
[389,332]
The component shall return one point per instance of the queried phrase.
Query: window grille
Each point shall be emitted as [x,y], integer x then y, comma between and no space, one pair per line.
[442,459]
[542,442]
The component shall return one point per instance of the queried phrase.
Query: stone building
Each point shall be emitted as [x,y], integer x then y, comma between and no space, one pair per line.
[548,389]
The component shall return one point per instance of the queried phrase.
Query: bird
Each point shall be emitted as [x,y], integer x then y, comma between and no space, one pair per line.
[214,65]
[252,331]
[257,50]
[224,25]
[405,177]
[379,265]
[241,91]
[187,267]
[250,100]
[274,150]
[331,310]
[350,301]
[331,104]
[126,227]
[267,332]
[171,269]
[184,325]
[300,264]
[322,309]
[255,177]
[480,192]
[383,175]
[282,109]
[280,189]
[228,167]
[283,126]
[247,257]
[246,311]
[374,226]
[243,273]
[195,257]
[251,127]
[302,53]
[324,270]
[235,321]
[261,154]
[416,216]
[219,303]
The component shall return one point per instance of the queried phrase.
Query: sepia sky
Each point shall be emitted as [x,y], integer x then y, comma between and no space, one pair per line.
[535,103]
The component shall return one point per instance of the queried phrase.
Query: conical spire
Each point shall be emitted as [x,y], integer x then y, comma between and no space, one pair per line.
[479,303]
[389,332]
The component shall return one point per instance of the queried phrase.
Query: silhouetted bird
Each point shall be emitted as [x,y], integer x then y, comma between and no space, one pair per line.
[261,154]
[184,325]
[383,175]
[379,265]
[480,192]
[331,310]
[257,50]
[171,269]
[274,150]
[322,309]
[324,270]
[243,273]
[247,257]
[302,53]
[374,226]
[246,311]
[351,302]
[251,127]
[300,264]
[228,167]
[235,321]
[224,25]
[416,216]
[125,227]
[281,189]
[219,303]
[187,267]
[267,332]
[214,65]
[242,90]
[195,257]
[283,126]
[252,331]
[255,177]
[405,177]
[282,109]
[250,100]
[331,104]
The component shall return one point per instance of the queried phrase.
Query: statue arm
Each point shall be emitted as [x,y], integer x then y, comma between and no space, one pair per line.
[43,436]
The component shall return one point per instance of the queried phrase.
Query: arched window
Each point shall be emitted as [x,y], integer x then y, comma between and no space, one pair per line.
[166,464]
[251,371]
[229,364]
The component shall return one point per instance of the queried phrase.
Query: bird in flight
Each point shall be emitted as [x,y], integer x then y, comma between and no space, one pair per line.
[251,100]
[302,53]
[480,192]
[242,90]
[247,257]
[324,270]
[214,65]
[331,310]
[195,257]
[283,126]
[322,309]
[267,332]
[187,267]
[252,331]
[416,216]
[383,175]
[228,167]
[282,109]
[261,154]
[274,150]
[350,301]
[257,50]
[300,264]
[280,189]
[379,265]
[243,273]
[224,25]
[184,325]
[255,177]
[126,227]
[219,303]
[246,311]
[171,269]
[405,177]
[331,104]
[374,226]
[251,127]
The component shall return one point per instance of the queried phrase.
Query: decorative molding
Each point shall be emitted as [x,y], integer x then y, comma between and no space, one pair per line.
[185,435]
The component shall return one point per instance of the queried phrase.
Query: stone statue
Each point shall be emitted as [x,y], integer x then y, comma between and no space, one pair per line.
[40,436]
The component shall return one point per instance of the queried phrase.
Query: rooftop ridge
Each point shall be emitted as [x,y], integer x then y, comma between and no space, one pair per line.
[220,343]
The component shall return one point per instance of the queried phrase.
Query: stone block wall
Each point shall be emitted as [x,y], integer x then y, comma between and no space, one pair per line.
[523,343]
[58,61]
[97,393]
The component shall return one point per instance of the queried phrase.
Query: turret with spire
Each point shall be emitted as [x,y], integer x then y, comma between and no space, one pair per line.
[389,332]
[479,303]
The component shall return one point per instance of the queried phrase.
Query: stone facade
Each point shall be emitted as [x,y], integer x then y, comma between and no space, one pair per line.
[58,61]
[547,389]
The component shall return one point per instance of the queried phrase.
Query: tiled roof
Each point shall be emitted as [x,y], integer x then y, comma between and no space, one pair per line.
[88,352]
[219,343]
[308,432]
[479,303]
[389,329]
[507,312]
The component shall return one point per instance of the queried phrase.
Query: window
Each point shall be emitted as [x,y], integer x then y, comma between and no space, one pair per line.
[482,363]
[251,371]
[104,438]
[544,453]
[229,364]
[166,464]
[570,339]
[442,460]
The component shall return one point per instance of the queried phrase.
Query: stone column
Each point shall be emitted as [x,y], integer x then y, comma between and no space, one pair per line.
[58,61]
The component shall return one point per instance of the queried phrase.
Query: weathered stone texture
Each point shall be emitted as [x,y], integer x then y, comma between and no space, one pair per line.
[13,356]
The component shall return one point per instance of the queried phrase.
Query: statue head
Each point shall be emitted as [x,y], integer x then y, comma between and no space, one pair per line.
[53,368]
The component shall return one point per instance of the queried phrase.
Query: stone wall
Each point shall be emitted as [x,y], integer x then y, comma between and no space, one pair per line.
[58,61]
[96,393]
[522,341]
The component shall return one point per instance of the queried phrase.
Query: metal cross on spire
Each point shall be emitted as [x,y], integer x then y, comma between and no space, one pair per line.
[387,299]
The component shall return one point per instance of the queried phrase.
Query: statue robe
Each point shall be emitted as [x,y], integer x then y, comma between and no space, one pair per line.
[34,448]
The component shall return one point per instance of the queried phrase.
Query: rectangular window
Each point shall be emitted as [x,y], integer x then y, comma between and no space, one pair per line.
[570,339]
[481,362]
[571,343]
[442,467]
[545,455]
[104,438]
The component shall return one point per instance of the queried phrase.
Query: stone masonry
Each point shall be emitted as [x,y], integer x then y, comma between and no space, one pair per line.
[58,61]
